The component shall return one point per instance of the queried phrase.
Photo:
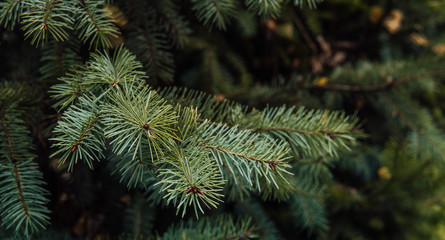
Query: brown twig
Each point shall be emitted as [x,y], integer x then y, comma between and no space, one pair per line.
[90,16]
[14,162]
[84,133]
[302,30]
[243,156]
[352,88]
[373,88]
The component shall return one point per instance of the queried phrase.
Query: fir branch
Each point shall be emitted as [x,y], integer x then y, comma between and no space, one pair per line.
[266,227]
[154,51]
[139,218]
[71,87]
[95,24]
[306,200]
[312,3]
[10,13]
[79,135]
[309,133]
[98,76]
[190,177]
[265,8]
[304,131]
[131,170]
[139,173]
[150,43]
[174,24]
[388,75]
[135,172]
[302,30]
[372,78]
[426,140]
[143,128]
[113,70]
[135,117]
[187,122]
[236,187]
[208,106]
[23,98]
[23,199]
[269,161]
[58,58]
[14,162]
[247,24]
[309,212]
[246,153]
[212,12]
[390,83]
[223,227]
[42,17]
[313,175]
[247,161]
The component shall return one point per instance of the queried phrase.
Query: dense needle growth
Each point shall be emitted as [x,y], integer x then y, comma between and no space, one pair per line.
[221,119]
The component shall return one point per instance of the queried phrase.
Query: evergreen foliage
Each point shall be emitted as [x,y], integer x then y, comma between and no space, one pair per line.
[139,218]
[94,24]
[191,155]
[160,30]
[43,18]
[221,119]
[11,13]
[214,12]
[23,209]
[223,227]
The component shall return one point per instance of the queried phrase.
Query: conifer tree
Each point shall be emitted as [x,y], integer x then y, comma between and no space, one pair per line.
[121,121]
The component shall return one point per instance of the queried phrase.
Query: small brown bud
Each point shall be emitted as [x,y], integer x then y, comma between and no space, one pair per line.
[146,127]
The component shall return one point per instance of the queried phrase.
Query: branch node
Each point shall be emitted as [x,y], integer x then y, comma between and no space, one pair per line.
[271,166]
